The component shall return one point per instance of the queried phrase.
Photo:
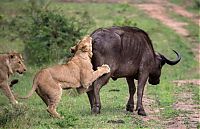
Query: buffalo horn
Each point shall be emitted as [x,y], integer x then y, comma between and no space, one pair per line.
[169,62]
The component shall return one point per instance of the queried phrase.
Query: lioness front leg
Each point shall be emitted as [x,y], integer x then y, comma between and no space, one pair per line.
[7,91]
[95,75]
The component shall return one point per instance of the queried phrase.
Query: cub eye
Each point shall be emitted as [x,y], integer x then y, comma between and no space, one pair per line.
[19,62]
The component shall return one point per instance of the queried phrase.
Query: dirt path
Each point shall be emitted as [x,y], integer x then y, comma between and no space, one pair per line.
[158,9]
[189,111]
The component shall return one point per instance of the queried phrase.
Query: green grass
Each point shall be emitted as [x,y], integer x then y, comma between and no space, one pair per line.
[75,108]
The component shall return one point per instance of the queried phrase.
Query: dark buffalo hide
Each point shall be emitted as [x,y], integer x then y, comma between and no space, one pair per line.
[129,53]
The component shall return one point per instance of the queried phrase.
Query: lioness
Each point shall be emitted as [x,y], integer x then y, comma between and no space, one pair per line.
[9,64]
[77,72]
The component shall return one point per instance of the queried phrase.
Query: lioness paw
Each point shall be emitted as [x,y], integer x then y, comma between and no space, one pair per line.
[106,67]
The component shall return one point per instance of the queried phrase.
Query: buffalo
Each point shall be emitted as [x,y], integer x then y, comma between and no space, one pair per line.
[129,53]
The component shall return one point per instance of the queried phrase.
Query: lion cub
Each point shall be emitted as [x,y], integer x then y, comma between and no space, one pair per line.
[77,72]
[9,64]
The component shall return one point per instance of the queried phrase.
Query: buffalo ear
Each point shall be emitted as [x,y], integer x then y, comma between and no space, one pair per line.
[160,58]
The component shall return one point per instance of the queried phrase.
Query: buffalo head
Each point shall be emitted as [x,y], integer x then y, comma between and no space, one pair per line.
[160,60]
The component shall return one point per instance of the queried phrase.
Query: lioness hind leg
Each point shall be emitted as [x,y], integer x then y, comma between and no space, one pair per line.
[43,96]
[53,102]
[52,110]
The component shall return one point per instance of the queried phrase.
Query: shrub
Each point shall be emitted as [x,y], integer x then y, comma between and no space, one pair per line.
[197,3]
[47,35]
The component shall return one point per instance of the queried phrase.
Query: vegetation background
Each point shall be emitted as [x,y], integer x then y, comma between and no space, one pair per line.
[45,30]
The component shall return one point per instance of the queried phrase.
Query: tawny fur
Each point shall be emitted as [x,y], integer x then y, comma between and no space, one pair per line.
[76,73]
[9,64]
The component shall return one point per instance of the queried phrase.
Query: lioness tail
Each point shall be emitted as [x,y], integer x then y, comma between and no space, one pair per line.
[31,92]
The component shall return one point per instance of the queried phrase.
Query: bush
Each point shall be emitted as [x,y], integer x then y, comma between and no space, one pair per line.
[47,34]
[197,3]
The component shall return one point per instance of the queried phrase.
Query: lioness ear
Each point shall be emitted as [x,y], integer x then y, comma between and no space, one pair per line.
[20,55]
[72,49]
[11,56]
[84,48]
[88,38]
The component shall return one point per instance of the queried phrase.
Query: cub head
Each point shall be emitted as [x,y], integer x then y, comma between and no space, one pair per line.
[16,62]
[85,45]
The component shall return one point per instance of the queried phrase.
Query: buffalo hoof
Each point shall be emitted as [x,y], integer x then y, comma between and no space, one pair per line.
[95,110]
[141,112]
[129,108]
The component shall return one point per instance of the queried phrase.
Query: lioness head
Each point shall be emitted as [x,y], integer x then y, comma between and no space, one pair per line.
[16,62]
[85,45]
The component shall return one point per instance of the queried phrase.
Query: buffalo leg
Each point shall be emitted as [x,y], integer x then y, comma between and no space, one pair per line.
[140,89]
[132,89]
[90,95]
[97,86]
